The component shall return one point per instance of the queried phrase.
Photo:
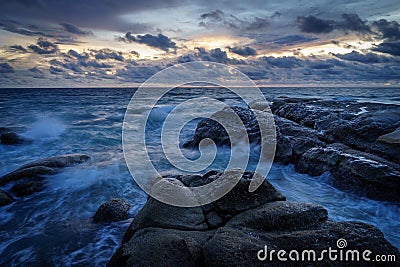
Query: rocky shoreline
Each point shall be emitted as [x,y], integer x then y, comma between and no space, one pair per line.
[358,143]
[232,230]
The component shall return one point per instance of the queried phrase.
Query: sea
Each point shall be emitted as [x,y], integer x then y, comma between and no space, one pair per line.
[54,227]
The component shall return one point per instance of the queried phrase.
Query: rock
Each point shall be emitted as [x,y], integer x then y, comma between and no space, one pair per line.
[113,210]
[209,128]
[162,235]
[26,173]
[11,138]
[364,173]
[5,198]
[240,246]
[59,161]
[391,138]
[280,215]
[162,247]
[27,188]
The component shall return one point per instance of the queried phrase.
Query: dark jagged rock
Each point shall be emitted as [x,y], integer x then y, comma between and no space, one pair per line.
[5,198]
[161,235]
[367,174]
[113,210]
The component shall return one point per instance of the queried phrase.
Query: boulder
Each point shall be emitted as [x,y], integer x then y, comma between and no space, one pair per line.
[61,161]
[162,235]
[26,173]
[27,188]
[361,172]
[5,198]
[113,210]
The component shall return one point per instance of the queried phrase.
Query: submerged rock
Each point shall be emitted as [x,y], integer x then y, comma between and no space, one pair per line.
[162,235]
[9,137]
[5,198]
[113,210]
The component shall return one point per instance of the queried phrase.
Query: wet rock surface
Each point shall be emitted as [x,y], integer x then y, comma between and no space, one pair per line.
[113,210]
[30,178]
[357,142]
[163,235]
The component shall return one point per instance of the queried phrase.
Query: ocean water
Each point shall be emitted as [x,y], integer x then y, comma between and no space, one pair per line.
[55,227]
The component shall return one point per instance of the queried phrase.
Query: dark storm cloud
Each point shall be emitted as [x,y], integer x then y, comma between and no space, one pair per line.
[74,29]
[243,51]
[388,29]
[88,13]
[43,46]
[349,22]
[16,27]
[353,22]
[218,18]
[159,41]
[311,24]
[392,48]
[6,68]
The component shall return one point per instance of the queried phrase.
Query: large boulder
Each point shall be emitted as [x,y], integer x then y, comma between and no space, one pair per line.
[26,173]
[113,210]
[362,172]
[162,235]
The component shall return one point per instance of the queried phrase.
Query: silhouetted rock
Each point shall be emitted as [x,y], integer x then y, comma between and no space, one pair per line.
[9,137]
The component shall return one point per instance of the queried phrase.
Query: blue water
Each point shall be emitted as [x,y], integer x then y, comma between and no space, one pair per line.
[55,226]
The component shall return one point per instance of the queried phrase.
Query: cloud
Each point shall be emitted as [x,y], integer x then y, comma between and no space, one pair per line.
[218,18]
[353,22]
[94,14]
[392,48]
[243,51]
[349,22]
[77,55]
[19,48]
[6,68]
[388,30]
[293,39]
[107,53]
[363,58]
[74,29]
[43,46]
[311,24]
[159,41]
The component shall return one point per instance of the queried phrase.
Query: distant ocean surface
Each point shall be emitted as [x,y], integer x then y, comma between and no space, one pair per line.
[55,226]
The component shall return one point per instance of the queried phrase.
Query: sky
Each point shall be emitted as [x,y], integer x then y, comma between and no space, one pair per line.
[100,43]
